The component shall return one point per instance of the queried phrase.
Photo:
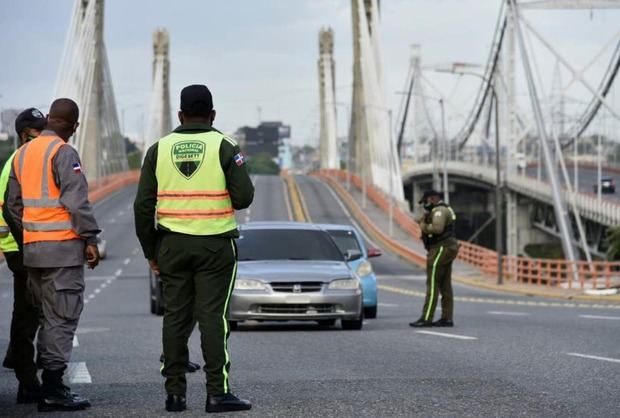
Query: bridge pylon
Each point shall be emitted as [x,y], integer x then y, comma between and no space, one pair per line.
[373,147]
[328,139]
[159,118]
[84,76]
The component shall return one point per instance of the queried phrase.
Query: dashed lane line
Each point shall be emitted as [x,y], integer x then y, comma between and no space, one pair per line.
[591,357]
[388,305]
[611,318]
[78,373]
[508,313]
[126,261]
[446,335]
[497,301]
[135,251]
[118,272]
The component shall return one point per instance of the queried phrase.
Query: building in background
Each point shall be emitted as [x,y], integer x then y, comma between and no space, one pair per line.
[7,123]
[267,138]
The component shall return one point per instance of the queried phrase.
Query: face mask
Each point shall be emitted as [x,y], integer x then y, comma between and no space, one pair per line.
[428,206]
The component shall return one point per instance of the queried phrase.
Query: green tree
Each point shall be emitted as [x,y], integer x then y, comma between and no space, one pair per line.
[262,163]
[612,241]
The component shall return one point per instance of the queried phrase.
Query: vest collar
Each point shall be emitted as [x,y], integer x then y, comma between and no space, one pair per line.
[193,128]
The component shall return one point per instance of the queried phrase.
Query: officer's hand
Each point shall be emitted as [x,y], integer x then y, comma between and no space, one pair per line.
[153,265]
[92,255]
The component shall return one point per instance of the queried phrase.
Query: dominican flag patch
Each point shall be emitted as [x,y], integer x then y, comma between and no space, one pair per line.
[77,167]
[239,159]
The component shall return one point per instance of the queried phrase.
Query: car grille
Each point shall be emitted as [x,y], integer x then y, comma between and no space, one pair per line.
[299,308]
[296,287]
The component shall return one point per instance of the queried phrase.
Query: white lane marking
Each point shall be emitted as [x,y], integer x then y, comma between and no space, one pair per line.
[287,202]
[611,360]
[118,272]
[443,334]
[85,301]
[135,251]
[112,221]
[91,330]
[348,214]
[75,341]
[126,261]
[97,290]
[5,295]
[97,278]
[613,318]
[122,213]
[91,296]
[508,313]
[78,373]
[388,305]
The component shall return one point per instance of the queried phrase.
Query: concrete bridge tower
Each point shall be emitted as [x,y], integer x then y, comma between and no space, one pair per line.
[328,143]
[159,118]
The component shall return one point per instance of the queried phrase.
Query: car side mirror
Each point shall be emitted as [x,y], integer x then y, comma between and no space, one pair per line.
[373,252]
[352,255]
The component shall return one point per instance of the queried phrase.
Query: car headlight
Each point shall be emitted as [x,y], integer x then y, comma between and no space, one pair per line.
[364,269]
[248,284]
[344,284]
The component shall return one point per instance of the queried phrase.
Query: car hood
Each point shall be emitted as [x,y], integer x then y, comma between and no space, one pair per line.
[293,270]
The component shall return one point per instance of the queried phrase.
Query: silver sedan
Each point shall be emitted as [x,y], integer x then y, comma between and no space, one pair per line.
[294,271]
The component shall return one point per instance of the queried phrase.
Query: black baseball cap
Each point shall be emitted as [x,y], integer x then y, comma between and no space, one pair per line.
[429,193]
[196,97]
[30,118]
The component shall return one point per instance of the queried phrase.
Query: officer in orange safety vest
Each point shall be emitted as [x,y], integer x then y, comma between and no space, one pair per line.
[48,204]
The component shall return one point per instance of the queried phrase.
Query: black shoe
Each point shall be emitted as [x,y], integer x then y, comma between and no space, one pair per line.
[28,393]
[225,403]
[176,403]
[61,398]
[443,323]
[421,323]
[192,367]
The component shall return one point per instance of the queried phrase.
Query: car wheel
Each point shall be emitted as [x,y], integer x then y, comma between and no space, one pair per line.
[327,322]
[370,312]
[355,324]
[233,325]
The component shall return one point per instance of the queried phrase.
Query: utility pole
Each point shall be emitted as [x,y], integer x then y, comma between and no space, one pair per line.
[446,195]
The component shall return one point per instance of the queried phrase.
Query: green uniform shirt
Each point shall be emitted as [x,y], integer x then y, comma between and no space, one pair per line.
[238,183]
[440,217]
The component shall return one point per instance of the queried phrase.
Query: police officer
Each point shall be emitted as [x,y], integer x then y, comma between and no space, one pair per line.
[191,182]
[25,319]
[437,227]
[48,203]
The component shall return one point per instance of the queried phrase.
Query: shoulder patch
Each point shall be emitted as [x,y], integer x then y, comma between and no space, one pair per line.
[437,214]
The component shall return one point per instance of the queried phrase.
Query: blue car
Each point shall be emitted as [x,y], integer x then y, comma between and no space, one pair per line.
[348,239]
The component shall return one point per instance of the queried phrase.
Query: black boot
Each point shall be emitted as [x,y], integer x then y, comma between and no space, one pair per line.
[58,397]
[29,393]
[225,403]
[421,323]
[443,323]
[176,403]
[8,362]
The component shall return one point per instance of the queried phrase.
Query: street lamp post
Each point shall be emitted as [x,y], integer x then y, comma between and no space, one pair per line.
[499,242]
[446,195]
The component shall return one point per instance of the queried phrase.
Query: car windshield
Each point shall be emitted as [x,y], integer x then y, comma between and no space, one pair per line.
[345,240]
[286,244]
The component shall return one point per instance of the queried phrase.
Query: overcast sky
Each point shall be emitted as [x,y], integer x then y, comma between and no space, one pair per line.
[263,53]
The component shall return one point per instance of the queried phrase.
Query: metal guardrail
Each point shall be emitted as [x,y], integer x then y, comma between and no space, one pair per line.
[534,271]
[604,212]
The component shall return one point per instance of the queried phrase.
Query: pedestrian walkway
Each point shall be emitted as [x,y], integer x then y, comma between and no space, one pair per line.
[463,272]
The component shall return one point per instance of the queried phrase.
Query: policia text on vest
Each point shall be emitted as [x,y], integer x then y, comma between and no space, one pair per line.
[191,182]
[437,227]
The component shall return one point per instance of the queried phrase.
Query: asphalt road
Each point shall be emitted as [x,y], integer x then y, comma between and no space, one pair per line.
[504,358]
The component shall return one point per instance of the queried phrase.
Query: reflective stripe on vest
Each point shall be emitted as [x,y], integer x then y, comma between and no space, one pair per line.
[44,219]
[191,186]
[7,242]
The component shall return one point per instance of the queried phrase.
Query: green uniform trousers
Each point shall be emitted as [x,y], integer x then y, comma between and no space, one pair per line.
[439,280]
[198,276]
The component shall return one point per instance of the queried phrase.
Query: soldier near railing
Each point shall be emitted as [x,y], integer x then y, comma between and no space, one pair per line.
[437,225]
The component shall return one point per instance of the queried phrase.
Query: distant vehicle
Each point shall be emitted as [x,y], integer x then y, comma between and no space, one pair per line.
[521,160]
[290,271]
[348,238]
[608,185]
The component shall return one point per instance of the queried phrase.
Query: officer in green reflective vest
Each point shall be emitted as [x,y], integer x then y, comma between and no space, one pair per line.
[191,183]
[438,236]
[25,320]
